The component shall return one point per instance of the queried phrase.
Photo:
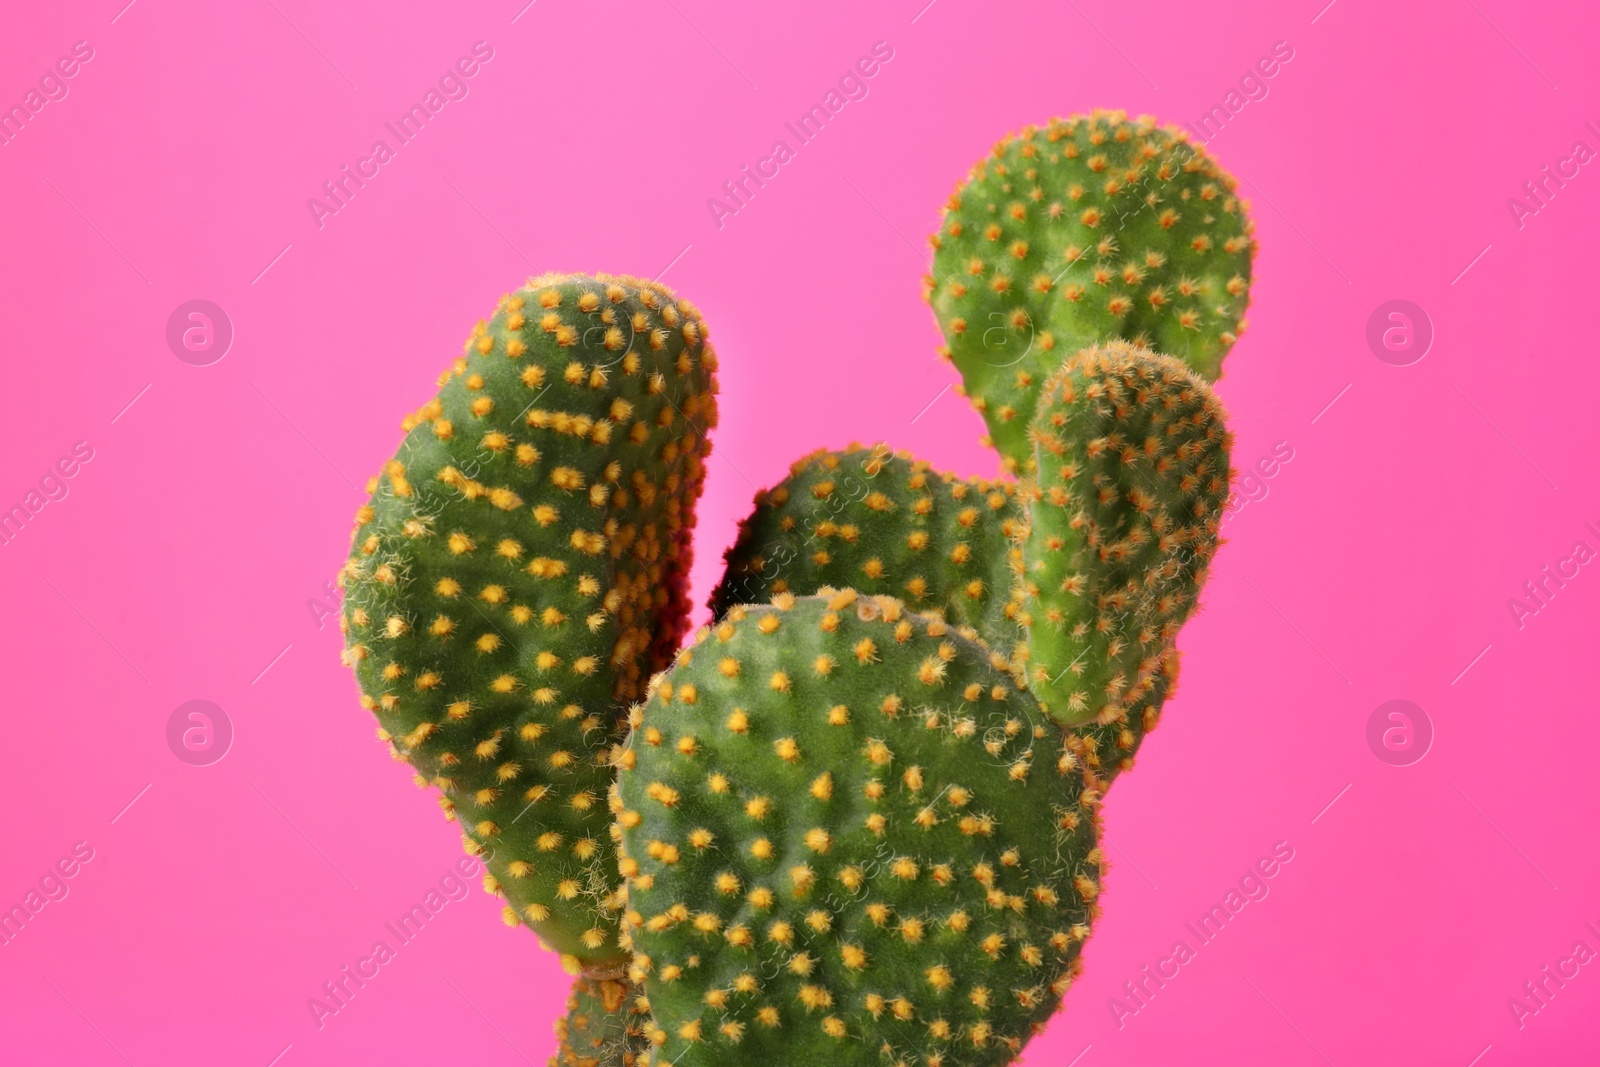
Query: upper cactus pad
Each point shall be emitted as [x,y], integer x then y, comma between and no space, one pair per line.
[1090,229]
[518,575]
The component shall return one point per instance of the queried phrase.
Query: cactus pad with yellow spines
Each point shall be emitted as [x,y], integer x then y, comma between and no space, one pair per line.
[1090,229]
[1129,484]
[519,574]
[849,838]
[882,523]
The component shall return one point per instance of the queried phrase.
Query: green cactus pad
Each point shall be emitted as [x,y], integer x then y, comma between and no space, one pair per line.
[607,1025]
[1131,478]
[519,574]
[851,839]
[882,523]
[1090,229]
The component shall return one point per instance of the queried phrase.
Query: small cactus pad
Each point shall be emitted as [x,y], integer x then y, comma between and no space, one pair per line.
[882,523]
[607,1025]
[1132,475]
[1090,229]
[850,839]
[519,574]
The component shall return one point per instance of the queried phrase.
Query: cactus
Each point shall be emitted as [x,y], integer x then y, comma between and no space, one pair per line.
[850,838]
[860,823]
[1091,229]
[1131,477]
[519,573]
[882,523]
[607,1025]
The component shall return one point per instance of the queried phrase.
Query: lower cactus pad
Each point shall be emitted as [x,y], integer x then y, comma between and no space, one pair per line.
[850,838]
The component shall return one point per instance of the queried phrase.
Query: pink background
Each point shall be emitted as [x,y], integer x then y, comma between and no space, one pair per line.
[1378,567]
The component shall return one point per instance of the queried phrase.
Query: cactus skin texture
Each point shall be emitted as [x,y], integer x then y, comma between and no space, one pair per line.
[607,1025]
[1093,228]
[883,524]
[851,839]
[519,574]
[1131,478]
